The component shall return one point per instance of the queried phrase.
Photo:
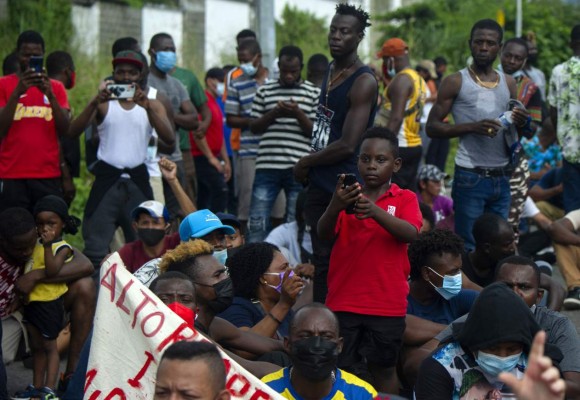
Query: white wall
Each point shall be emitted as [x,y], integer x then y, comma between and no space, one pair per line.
[156,20]
[86,25]
[223,20]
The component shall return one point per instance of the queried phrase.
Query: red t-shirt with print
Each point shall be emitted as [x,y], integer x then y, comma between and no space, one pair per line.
[30,149]
[368,267]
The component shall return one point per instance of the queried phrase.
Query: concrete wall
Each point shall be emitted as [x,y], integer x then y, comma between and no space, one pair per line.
[117,21]
[86,25]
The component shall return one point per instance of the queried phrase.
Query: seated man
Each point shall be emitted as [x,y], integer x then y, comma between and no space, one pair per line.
[202,224]
[522,275]
[429,181]
[547,194]
[436,292]
[213,293]
[495,240]
[314,344]
[564,233]
[151,222]
[191,367]
[495,338]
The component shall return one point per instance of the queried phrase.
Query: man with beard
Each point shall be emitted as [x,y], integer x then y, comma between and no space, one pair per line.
[314,344]
[476,96]
[346,109]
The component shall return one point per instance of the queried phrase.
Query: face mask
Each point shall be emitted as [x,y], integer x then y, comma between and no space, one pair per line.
[390,71]
[165,60]
[224,291]
[518,73]
[150,237]
[221,256]
[493,365]
[249,69]
[219,89]
[315,358]
[73,79]
[185,313]
[278,287]
[533,308]
[451,285]
[532,58]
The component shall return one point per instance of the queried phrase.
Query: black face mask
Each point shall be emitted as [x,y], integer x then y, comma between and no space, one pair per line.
[532,59]
[150,237]
[315,358]
[224,291]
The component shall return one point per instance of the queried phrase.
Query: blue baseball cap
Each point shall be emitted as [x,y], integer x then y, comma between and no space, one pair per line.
[153,208]
[198,224]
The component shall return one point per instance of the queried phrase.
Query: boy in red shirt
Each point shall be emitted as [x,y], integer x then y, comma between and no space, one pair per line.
[369,267]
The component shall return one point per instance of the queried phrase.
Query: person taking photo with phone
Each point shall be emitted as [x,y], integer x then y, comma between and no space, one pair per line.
[33,114]
[124,126]
[367,276]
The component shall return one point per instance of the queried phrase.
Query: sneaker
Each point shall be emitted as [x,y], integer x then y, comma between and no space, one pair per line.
[63,383]
[47,393]
[572,302]
[29,393]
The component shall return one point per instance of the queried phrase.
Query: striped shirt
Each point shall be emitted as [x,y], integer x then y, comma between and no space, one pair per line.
[346,386]
[284,142]
[241,92]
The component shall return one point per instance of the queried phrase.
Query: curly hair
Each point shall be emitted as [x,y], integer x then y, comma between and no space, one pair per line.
[183,258]
[361,15]
[247,265]
[435,242]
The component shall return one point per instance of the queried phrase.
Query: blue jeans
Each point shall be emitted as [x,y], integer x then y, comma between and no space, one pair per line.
[267,186]
[571,179]
[473,195]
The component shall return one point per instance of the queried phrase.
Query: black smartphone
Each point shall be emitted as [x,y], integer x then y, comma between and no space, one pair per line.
[36,63]
[349,180]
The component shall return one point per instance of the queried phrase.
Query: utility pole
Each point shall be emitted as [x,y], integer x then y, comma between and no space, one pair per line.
[266,30]
[519,18]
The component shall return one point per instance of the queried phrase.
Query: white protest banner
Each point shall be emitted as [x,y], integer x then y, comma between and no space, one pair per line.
[132,328]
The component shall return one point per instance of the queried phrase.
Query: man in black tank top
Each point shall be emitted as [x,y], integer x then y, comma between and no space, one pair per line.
[346,109]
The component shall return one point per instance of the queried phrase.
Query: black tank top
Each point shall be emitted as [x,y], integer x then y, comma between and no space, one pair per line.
[328,128]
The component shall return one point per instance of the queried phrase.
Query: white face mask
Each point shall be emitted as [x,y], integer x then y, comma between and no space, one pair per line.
[219,89]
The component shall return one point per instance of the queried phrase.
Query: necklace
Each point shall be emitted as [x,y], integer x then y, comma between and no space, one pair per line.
[331,82]
[487,85]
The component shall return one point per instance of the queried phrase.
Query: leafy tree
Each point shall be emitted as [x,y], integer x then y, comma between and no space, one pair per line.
[302,29]
[441,27]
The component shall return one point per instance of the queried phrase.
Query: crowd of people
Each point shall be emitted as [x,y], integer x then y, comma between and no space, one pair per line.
[298,219]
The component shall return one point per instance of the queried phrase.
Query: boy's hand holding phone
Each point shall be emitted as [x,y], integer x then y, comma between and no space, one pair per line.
[347,193]
[365,208]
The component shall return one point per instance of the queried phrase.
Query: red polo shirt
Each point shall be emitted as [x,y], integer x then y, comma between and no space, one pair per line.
[368,266]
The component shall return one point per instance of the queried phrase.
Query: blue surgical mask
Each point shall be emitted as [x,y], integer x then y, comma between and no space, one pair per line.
[220,89]
[249,69]
[493,365]
[165,60]
[392,71]
[451,285]
[278,287]
[221,256]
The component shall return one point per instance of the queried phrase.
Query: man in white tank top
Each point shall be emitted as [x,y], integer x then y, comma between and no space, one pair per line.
[476,96]
[125,127]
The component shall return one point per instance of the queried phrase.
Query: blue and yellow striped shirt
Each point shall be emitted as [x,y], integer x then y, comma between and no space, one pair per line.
[347,386]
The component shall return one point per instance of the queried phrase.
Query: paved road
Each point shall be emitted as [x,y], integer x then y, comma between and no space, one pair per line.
[19,377]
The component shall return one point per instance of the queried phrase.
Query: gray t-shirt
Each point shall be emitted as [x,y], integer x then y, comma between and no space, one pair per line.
[475,103]
[560,332]
[177,94]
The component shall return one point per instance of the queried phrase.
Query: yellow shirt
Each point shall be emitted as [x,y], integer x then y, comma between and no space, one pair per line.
[408,135]
[46,291]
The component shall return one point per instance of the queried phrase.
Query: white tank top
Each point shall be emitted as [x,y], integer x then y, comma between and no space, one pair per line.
[124,136]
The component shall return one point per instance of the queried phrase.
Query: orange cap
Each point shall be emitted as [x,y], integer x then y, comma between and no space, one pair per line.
[393,47]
